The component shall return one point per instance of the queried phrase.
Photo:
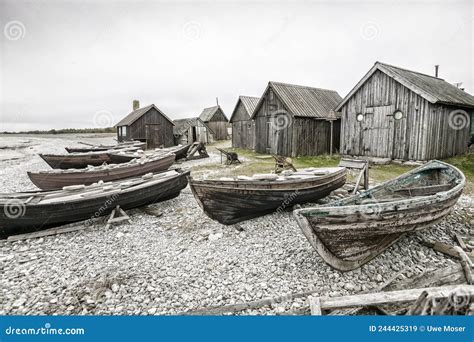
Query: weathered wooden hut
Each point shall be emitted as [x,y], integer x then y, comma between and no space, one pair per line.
[396,113]
[293,120]
[187,131]
[148,124]
[243,127]
[216,120]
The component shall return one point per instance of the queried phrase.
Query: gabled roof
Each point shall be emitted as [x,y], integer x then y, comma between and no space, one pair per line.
[208,113]
[433,89]
[304,101]
[249,103]
[182,125]
[138,113]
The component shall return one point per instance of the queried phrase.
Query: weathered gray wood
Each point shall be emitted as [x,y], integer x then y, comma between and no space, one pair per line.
[48,232]
[315,305]
[423,133]
[393,297]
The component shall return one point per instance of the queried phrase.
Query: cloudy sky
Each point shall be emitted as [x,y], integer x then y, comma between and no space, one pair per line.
[81,63]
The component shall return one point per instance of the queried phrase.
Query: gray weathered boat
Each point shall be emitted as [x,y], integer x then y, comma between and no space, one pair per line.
[350,232]
[57,178]
[125,156]
[98,148]
[234,200]
[37,210]
[79,160]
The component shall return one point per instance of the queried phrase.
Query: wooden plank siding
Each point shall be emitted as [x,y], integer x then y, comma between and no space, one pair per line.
[422,134]
[243,128]
[279,132]
[151,127]
[218,124]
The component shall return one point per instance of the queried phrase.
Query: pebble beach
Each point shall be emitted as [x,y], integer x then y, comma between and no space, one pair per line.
[173,259]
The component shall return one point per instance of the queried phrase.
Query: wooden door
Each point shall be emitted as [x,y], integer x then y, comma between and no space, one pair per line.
[378,132]
[154,138]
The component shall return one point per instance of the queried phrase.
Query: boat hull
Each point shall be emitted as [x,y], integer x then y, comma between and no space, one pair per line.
[347,236]
[57,180]
[233,203]
[179,152]
[78,161]
[43,216]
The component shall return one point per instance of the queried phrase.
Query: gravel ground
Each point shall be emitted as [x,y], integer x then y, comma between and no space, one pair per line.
[182,260]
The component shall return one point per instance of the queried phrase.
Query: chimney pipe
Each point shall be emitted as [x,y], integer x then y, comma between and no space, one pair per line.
[217,100]
[436,70]
[136,104]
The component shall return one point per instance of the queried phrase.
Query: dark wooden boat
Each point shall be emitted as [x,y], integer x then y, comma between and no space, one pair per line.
[125,156]
[32,211]
[57,179]
[80,160]
[98,148]
[231,201]
[350,232]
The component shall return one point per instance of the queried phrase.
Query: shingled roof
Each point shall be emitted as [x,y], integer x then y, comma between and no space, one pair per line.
[304,101]
[208,113]
[249,103]
[433,89]
[182,125]
[138,113]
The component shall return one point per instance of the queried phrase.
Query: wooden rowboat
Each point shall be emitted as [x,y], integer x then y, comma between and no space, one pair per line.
[98,148]
[32,211]
[80,160]
[231,201]
[350,232]
[57,179]
[125,156]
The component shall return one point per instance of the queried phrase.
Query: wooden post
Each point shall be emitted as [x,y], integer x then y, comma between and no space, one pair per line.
[331,142]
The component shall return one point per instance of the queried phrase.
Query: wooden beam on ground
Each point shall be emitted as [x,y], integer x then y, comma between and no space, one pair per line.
[393,297]
[47,232]
[315,306]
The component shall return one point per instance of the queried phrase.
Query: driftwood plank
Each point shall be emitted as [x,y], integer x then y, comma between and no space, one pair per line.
[315,306]
[48,232]
[393,297]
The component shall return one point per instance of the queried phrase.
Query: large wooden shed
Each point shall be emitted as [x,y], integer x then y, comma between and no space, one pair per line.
[400,114]
[216,120]
[187,131]
[243,127]
[147,124]
[293,120]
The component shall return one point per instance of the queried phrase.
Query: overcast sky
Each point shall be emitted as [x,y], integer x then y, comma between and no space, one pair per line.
[81,63]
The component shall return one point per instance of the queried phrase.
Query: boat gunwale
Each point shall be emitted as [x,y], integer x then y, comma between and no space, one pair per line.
[131,187]
[411,200]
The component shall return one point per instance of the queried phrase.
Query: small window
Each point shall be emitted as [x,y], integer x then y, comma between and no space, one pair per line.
[360,117]
[398,115]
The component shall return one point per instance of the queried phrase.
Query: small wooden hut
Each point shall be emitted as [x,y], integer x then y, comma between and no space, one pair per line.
[147,124]
[243,127]
[394,113]
[293,120]
[187,131]
[216,120]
